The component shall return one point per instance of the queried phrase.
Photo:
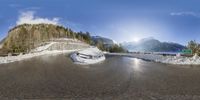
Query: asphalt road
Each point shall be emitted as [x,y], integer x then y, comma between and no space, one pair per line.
[117,78]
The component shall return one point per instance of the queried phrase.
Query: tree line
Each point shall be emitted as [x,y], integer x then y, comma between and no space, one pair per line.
[194,46]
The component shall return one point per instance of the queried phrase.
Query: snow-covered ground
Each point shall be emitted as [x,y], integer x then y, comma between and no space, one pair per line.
[61,44]
[9,59]
[87,56]
[180,60]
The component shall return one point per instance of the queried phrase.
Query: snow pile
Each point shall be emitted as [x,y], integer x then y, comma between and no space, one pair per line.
[87,56]
[195,56]
[20,57]
[93,51]
[180,60]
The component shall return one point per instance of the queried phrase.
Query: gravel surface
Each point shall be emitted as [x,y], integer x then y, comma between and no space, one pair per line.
[117,78]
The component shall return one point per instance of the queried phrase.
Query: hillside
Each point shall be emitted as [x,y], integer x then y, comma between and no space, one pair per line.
[153,45]
[1,41]
[24,38]
[106,44]
[102,40]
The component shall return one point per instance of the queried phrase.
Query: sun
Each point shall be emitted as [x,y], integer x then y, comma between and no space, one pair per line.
[136,39]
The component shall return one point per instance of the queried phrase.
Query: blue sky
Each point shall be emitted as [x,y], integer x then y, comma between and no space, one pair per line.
[121,20]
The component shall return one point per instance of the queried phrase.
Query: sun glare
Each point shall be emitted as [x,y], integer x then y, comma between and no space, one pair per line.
[136,64]
[136,39]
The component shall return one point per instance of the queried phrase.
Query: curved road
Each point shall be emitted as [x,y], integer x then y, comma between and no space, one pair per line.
[117,78]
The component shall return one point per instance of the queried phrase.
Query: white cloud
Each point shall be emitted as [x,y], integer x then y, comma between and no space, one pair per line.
[33,8]
[14,5]
[29,17]
[194,14]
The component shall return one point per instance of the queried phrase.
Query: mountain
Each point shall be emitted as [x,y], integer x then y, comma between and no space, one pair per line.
[25,37]
[152,45]
[106,44]
[1,42]
[102,40]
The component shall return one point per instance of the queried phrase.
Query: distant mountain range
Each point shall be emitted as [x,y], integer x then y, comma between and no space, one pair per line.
[152,45]
[144,45]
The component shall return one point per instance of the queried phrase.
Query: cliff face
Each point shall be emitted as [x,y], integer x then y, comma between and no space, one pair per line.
[25,37]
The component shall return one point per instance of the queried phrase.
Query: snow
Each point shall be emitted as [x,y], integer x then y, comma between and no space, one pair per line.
[179,60]
[66,39]
[94,51]
[20,57]
[42,48]
[87,56]
[195,56]
[61,44]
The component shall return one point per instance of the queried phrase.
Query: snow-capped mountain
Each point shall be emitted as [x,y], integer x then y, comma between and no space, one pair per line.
[152,45]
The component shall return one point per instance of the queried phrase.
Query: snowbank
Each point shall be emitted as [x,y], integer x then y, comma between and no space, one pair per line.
[180,60]
[9,59]
[87,56]
[93,51]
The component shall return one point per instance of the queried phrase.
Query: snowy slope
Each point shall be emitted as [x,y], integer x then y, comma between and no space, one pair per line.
[61,44]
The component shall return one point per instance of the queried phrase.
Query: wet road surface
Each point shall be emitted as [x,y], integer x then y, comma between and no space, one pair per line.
[117,78]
